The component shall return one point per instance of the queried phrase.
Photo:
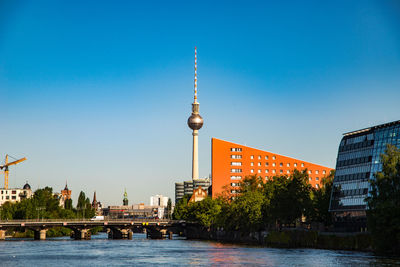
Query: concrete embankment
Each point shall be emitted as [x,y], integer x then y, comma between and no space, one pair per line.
[288,238]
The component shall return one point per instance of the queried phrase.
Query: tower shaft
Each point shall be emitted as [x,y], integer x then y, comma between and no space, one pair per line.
[195,161]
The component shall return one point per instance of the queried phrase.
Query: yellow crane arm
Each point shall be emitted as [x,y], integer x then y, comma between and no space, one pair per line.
[14,162]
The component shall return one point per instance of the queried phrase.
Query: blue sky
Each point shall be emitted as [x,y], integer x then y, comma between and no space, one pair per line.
[98,93]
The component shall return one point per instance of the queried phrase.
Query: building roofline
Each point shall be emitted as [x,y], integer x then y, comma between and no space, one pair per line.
[372,128]
[272,153]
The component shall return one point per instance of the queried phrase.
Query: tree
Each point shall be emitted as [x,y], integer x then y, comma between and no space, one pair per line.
[68,204]
[169,208]
[290,197]
[180,211]
[320,201]
[246,212]
[204,212]
[383,214]
[84,206]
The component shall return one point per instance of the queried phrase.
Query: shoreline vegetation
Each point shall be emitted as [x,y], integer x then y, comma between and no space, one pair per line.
[258,206]
[288,238]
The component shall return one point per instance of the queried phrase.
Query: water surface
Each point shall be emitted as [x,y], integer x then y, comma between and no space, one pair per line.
[140,251]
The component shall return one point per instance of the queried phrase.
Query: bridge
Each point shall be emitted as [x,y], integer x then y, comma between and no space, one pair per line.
[116,228]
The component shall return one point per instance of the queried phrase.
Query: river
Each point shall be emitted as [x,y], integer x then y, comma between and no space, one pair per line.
[140,251]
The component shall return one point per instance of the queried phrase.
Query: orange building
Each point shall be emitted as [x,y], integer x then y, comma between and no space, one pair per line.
[230,163]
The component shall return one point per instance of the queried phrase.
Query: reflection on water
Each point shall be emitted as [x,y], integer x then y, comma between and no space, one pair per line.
[142,252]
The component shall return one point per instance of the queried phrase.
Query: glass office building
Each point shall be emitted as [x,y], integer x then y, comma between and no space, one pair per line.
[358,160]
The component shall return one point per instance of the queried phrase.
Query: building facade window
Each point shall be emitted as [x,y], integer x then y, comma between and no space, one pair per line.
[281,164]
[266,157]
[302,165]
[251,157]
[295,165]
[273,164]
[236,170]
[236,163]
[236,149]
[273,158]
[266,164]
[266,171]
[259,171]
[259,157]
[252,171]
[251,163]
[287,164]
[259,164]
[236,156]
[236,177]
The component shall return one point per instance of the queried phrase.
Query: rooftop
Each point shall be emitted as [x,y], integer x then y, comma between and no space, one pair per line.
[372,128]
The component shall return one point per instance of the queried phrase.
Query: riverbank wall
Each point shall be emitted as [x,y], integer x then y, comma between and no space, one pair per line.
[290,238]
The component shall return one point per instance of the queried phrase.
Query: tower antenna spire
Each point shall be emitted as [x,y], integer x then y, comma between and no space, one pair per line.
[195,74]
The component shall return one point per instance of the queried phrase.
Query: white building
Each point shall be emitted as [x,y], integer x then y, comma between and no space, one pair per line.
[159,201]
[15,194]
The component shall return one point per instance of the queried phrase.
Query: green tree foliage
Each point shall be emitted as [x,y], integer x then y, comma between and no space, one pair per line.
[84,207]
[320,201]
[256,205]
[68,204]
[383,215]
[169,209]
[290,198]
[245,213]
[44,205]
[180,211]
[204,212]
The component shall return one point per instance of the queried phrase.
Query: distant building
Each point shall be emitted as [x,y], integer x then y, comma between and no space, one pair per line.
[187,187]
[65,194]
[14,195]
[139,211]
[357,162]
[158,200]
[125,200]
[179,191]
[96,205]
[231,163]
[198,195]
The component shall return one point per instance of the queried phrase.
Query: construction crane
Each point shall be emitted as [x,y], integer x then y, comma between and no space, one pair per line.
[6,171]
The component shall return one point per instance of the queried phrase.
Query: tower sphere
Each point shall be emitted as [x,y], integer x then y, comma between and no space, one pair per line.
[195,122]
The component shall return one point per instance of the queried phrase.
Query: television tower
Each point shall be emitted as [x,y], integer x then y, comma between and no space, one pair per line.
[195,122]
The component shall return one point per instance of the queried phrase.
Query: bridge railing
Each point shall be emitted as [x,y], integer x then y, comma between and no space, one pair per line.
[89,220]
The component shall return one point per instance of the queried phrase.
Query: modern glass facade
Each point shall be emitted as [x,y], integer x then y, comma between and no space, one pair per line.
[358,160]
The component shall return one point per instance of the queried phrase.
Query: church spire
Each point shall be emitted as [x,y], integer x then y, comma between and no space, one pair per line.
[125,200]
